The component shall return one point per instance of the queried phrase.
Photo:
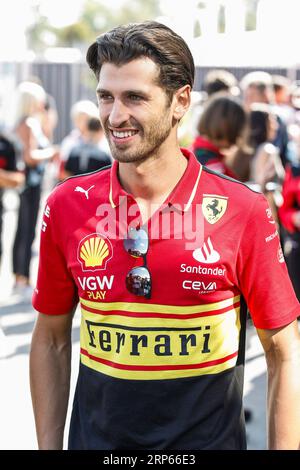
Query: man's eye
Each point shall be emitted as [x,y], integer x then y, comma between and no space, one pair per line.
[135,97]
[104,96]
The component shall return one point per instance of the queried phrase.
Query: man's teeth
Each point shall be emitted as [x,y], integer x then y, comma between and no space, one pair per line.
[122,135]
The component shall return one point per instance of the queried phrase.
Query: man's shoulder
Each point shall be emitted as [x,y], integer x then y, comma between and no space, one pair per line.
[95,183]
[240,199]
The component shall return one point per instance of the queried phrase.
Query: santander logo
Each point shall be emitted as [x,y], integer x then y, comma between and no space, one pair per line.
[206,254]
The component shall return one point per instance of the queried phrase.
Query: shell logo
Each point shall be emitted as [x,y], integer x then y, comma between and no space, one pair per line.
[93,252]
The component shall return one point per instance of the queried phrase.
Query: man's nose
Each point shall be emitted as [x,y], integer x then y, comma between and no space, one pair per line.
[119,114]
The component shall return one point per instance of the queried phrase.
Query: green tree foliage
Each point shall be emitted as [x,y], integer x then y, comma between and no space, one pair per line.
[96,17]
[99,17]
[73,35]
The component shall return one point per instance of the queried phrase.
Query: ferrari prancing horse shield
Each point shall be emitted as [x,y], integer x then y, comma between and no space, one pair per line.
[213,207]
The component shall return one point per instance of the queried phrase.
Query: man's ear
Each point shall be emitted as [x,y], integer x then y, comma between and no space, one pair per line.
[181,102]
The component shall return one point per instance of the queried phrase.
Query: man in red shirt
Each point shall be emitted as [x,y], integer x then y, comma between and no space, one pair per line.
[163,256]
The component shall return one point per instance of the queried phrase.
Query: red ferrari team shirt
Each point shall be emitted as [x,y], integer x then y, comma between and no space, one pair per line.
[164,372]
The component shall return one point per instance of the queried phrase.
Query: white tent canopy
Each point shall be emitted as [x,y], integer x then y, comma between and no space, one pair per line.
[246,49]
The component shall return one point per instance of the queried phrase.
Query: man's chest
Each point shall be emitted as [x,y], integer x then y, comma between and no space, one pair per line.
[185,267]
[189,325]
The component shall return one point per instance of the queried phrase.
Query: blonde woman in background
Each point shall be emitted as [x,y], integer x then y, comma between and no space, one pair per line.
[36,150]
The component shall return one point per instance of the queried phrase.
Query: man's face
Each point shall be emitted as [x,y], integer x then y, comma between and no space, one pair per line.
[134,110]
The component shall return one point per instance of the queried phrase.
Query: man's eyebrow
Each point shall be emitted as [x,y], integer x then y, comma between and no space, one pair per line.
[126,92]
[137,92]
[101,90]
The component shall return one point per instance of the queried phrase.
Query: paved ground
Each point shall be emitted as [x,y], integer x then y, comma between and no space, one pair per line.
[17,320]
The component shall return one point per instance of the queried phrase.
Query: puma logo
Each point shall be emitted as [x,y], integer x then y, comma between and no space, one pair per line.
[79,189]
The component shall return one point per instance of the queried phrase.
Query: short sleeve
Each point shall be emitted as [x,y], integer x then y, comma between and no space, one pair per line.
[55,292]
[262,273]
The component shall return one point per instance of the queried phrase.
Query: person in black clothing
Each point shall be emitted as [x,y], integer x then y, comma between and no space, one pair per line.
[88,156]
[9,176]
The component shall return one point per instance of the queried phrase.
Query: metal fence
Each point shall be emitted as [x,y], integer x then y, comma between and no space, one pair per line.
[70,82]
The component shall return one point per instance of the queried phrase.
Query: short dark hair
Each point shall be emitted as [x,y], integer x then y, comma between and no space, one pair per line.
[258,124]
[94,124]
[148,39]
[223,117]
[218,80]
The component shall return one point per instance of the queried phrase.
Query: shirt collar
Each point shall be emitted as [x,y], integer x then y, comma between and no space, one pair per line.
[116,192]
[182,195]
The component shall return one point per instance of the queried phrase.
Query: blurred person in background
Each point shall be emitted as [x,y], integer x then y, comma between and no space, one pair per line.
[217,80]
[87,156]
[49,116]
[266,169]
[36,151]
[222,125]
[49,121]
[266,164]
[238,157]
[289,215]
[282,87]
[81,112]
[10,177]
[295,101]
[257,87]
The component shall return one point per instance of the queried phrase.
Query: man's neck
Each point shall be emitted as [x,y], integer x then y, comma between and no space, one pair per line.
[154,178]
